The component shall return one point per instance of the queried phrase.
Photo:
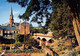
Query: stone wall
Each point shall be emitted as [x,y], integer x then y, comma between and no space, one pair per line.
[25,54]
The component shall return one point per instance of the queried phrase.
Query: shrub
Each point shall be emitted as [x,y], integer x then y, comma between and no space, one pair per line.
[0,48]
[3,48]
[73,53]
[17,45]
[25,51]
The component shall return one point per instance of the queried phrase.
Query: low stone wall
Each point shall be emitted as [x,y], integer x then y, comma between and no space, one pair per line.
[25,54]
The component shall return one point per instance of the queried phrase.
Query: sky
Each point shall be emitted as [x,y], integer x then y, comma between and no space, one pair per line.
[5,9]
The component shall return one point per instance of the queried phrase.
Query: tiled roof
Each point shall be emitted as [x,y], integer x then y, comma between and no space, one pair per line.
[24,23]
[16,24]
[0,28]
[27,24]
[8,28]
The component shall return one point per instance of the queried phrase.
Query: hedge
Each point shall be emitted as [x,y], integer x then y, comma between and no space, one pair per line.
[25,51]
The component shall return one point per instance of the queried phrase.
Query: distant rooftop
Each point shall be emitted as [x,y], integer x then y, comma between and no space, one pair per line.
[17,24]
[24,23]
[8,28]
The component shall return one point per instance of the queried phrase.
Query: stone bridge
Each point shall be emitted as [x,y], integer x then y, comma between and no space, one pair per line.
[43,38]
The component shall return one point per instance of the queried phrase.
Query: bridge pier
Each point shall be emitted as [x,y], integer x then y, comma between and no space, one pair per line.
[46,43]
[10,47]
[40,43]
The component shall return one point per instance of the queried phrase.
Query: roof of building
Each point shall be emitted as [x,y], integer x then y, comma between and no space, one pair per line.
[8,28]
[24,23]
[0,28]
[17,24]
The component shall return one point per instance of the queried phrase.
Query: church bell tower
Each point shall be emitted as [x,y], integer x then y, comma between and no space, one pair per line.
[11,20]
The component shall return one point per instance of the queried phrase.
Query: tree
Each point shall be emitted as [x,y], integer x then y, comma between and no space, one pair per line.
[40,8]
[61,20]
[31,42]
[39,30]
[74,7]
[17,38]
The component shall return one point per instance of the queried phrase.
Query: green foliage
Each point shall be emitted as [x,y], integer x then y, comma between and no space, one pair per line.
[20,38]
[0,48]
[28,40]
[31,42]
[39,30]
[61,24]
[62,45]
[25,51]
[17,37]
[73,53]
[42,30]
[3,47]
[17,45]
[38,8]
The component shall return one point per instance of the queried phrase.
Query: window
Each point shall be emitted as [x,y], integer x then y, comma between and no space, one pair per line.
[5,35]
[8,32]
[8,35]
[5,31]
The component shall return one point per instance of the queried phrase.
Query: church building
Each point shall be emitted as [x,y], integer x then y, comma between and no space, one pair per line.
[10,30]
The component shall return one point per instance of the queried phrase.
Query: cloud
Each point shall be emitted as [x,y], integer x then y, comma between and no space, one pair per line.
[16,12]
[50,0]
[16,19]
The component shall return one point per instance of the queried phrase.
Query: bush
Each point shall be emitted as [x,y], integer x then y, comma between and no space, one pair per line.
[25,51]
[0,48]
[73,53]
[17,45]
[3,48]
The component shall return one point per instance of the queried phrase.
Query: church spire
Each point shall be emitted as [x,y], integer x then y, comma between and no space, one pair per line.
[11,12]
[11,21]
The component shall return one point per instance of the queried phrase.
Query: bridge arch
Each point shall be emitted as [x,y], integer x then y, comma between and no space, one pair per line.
[50,41]
[44,39]
[39,38]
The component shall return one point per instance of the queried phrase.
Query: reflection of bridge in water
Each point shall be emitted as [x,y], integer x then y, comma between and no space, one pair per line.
[9,46]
